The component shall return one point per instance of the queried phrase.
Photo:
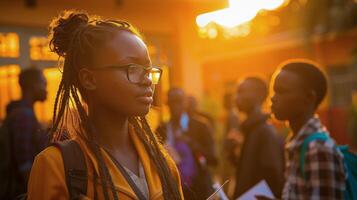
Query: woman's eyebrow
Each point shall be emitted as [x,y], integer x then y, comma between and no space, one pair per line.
[135,59]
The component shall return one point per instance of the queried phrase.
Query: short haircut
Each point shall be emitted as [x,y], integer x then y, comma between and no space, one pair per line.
[312,77]
[29,76]
[261,87]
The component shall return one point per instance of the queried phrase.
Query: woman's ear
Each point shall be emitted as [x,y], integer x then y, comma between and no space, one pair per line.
[87,79]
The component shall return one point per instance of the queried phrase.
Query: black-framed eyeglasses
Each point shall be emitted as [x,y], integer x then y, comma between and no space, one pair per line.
[135,72]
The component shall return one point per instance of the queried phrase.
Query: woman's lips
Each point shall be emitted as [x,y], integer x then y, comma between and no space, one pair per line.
[145,99]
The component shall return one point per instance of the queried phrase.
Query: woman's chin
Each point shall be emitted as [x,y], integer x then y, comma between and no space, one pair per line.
[142,111]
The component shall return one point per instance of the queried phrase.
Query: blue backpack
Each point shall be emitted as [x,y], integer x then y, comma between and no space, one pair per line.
[350,162]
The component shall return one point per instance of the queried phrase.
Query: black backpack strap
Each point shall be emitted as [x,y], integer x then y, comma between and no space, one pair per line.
[75,168]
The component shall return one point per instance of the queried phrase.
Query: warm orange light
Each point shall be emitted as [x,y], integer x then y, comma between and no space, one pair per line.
[9,88]
[44,110]
[272,4]
[238,12]
[9,45]
[39,49]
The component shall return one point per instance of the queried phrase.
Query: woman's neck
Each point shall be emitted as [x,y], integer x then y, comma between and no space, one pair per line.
[111,129]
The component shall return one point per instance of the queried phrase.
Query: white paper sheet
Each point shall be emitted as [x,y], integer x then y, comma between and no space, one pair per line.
[260,188]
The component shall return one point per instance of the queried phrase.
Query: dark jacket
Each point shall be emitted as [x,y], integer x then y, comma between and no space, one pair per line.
[262,156]
[201,143]
[25,140]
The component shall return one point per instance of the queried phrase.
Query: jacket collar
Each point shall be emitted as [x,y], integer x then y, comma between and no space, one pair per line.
[253,121]
[152,178]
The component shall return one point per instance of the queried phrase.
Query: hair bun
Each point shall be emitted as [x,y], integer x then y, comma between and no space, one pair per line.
[64,27]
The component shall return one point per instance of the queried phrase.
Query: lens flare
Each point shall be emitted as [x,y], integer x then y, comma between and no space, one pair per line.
[238,12]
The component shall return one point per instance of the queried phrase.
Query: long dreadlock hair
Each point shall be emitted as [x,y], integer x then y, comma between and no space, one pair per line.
[75,36]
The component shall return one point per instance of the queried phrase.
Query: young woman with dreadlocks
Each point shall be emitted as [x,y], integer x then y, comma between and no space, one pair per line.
[108,81]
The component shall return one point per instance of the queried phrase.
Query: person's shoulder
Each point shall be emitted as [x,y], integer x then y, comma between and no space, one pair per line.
[18,110]
[322,144]
[48,162]
[199,121]
[323,147]
[268,126]
[12,105]
[50,154]
[266,129]
[16,104]
[48,174]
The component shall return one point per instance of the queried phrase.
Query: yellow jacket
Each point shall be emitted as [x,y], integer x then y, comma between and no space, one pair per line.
[47,178]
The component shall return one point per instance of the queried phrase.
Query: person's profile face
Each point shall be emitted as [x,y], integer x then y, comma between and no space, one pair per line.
[176,103]
[113,89]
[288,96]
[247,96]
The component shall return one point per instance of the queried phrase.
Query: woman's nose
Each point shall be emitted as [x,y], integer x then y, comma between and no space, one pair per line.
[146,80]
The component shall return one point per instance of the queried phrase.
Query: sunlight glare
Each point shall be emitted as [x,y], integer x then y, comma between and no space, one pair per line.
[238,12]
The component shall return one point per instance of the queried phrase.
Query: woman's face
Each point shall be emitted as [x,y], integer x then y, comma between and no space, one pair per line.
[113,91]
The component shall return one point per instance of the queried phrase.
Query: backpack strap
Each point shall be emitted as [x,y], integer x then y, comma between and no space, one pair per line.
[350,161]
[75,168]
[321,136]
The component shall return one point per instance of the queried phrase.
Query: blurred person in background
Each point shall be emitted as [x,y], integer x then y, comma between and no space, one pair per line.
[262,154]
[21,135]
[232,120]
[231,127]
[192,111]
[189,141]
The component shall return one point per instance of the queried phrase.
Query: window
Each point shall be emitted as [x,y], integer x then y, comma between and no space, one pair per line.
[9,45]
[9,87]
[10,90]
[39,49]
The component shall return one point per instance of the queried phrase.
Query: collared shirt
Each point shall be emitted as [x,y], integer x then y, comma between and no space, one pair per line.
[323,168]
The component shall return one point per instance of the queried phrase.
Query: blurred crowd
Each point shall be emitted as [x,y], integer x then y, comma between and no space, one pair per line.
[251,149]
